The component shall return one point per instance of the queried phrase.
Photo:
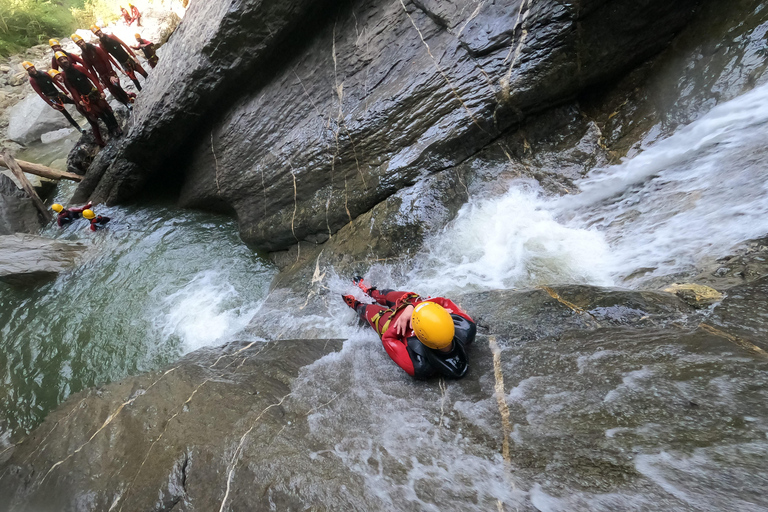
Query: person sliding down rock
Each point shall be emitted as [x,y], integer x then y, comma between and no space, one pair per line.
[97,221]
[99,64]
[45,87]
[56,47]
[67,215]
[122,53]
[148,47]
[87,92]
[424,337]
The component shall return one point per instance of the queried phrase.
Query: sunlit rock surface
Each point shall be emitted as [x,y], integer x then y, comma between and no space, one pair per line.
[17,211]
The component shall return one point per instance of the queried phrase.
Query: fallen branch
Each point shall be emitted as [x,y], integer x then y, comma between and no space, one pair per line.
[42,171]
[25,184]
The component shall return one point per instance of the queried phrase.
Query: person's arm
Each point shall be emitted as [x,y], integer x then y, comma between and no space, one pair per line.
[76,58]
[82,208]
[397,349]
[39,91]
[93,78]
[111,58]
[61,87]
[54,63]
[73,91]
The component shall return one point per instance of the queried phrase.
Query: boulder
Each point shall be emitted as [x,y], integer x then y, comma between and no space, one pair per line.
[27,260]
[345,112]
[18,213]
[32,117]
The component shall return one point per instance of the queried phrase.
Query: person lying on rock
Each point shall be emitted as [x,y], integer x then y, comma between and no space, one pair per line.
[122,53]
[46,88]
[148,47]
[97,221]
[425,337]
[87,92]
[67,215]
[99,64]
[56,47]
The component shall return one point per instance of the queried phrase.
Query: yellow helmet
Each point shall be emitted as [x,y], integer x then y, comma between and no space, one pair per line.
[75,38]
[433,325]
[57,207]
[88,214]
[59,55]
[26,65]
[95,28]
[138,36]
[53,72]
[53,42]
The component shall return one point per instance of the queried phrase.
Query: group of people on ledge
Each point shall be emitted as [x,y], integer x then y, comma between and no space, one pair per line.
[131,15]
[81,80]
[66,216]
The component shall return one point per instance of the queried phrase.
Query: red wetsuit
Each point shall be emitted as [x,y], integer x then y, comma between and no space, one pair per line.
[85,87]
[53,94]
[71,56]
[122,53]
[126,16]
[407,351]
[135,15]
[148,47]
[99,222]
[67,215]
[98,62]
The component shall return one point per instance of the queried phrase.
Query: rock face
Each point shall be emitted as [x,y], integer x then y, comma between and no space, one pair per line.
[299,139]
[31,118]
[564,403]
[28,260]
[17,211]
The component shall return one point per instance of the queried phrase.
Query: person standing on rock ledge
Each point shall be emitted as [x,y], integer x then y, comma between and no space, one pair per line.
[56,47]
[87,92]
[148,47]
[424,337]
[99,64]
[122,53]
[45,87]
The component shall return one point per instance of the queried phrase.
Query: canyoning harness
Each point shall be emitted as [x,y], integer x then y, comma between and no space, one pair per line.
[408,300]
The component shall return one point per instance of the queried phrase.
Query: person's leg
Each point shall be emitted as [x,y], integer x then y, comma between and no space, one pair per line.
[118,92]
[387,297]
[71,119]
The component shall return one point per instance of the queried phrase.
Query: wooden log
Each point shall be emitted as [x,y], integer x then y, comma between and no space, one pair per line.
[25,184]
[43,171]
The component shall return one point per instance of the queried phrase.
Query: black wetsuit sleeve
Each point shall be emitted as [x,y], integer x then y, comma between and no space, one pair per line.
[465,330]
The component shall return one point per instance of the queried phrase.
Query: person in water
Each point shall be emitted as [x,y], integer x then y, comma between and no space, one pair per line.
[425,337]
[97,221]
[67,215]
[50,91]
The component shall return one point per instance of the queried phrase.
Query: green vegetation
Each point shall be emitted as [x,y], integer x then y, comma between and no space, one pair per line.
[25,23]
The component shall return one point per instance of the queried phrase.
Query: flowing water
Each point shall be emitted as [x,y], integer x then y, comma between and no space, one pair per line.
[623,408]
[158,283]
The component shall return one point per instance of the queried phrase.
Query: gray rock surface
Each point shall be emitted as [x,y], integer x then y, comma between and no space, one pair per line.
[27,260]
[584,375]
[32,117]
[17,211]
[374,98]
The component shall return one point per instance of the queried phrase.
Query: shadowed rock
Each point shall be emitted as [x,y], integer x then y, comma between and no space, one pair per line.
[28,260]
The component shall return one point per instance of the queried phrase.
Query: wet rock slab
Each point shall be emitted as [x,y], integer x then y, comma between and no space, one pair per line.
[27,260]
[578,398]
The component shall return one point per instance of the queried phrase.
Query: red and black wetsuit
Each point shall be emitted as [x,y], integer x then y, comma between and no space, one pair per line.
[135,15]
[86,88]
[68,215]
[407,351]
[98,63]
[119,50]
[126,16]
[99,222]
[71,56]
[46,88]
[148,47]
